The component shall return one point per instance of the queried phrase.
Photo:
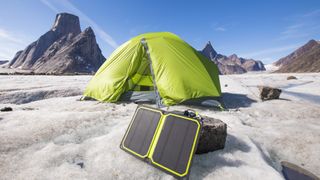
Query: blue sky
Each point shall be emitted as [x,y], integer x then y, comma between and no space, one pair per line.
[263,30]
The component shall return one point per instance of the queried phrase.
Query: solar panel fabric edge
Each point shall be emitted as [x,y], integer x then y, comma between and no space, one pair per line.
[150,131]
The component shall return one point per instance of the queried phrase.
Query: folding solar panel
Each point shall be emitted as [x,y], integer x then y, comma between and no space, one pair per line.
[141,131]
[167,140]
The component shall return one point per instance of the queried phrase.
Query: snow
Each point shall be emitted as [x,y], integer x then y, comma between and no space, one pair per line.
[271,67]
[50,133]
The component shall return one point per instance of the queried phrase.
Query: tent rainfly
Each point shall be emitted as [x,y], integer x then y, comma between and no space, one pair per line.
[158,62]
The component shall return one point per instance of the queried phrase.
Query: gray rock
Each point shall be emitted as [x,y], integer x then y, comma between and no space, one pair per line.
[213,135]
[81,164]
[6,109]
[268,93]
[66,23]
[291,77]
[63,49]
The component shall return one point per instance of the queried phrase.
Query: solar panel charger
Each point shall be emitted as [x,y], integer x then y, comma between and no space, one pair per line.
[167,140]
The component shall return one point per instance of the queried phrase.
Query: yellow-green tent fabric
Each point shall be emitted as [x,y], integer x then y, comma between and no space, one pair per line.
[158,61]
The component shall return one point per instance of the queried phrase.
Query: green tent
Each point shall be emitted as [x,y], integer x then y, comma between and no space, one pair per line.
[160,62]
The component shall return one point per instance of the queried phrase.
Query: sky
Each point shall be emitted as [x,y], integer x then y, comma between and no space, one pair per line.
[262,30]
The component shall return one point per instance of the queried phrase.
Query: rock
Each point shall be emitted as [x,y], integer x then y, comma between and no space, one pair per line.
[64,49]
[291,77]
[3,62]
[253,65]
[209,52]
[82,56]
[16,56]
[6,109]
[304,59]
[66,23]
[213,135]
[232,64]
[81,164]
[268,93]
[230,69]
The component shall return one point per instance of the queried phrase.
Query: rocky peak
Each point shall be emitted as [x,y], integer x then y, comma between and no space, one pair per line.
[300,51]
[208,51]
[309,45]
[63,49]
[233,57]
[66,23]
[304,59]
[231,64]
[89,31]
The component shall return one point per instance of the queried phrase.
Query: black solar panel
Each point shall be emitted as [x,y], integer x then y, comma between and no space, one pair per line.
[175,145]
[141,131]
[168,141]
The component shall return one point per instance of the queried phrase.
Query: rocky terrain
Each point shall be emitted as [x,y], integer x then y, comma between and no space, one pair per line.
[3,61]
[231,64]
[304,59]
[63,49]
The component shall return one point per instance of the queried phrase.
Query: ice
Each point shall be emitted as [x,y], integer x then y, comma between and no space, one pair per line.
[50,134]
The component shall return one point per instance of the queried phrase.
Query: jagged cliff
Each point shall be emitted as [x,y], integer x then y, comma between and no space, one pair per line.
[63,49]
[304,59]
[231,64]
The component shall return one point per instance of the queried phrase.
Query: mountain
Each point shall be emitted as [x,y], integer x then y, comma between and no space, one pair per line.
[304,59]
[63,49]
[231,64]
[3,61]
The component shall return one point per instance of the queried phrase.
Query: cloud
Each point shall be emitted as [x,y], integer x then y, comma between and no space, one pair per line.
[7,36]
[99,31]
[221,29]
[10,43]
[49,5]
[302,25]
[312,13]
[270,51]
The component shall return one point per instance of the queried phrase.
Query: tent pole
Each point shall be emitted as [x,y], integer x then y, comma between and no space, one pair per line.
[158,100]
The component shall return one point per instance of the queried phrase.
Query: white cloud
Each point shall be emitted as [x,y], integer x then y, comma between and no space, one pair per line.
[99,31]
[10,43]
[303,25]
[49,5]
[270,51]
[7,36]
[221,29]
[312,13]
